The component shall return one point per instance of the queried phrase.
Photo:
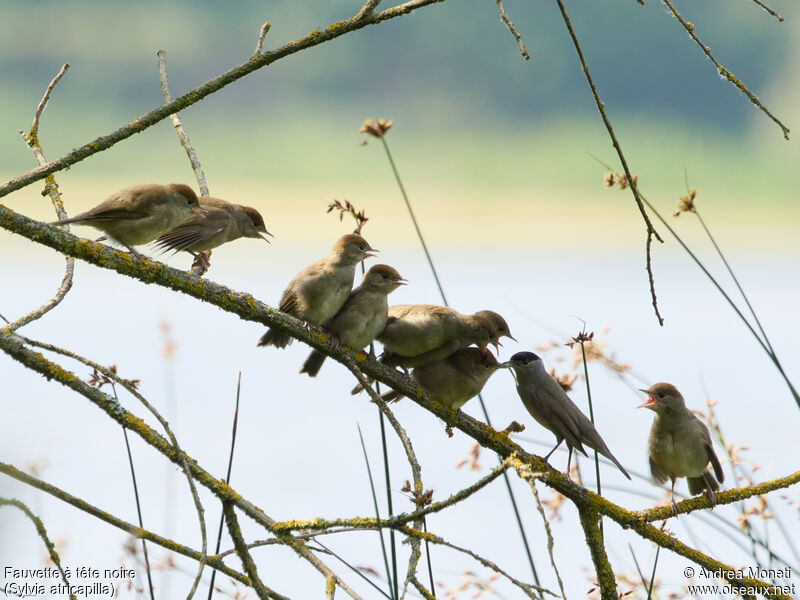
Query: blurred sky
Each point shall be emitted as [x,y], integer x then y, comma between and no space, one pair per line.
[495,154]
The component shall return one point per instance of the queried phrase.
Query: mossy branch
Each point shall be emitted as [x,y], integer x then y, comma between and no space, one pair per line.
[212,561]
[40,529]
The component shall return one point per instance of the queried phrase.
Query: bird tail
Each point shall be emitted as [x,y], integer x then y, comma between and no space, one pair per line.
[275,338]
[390,396]
[704,483]
[313,363]
[607,453]
[76,219]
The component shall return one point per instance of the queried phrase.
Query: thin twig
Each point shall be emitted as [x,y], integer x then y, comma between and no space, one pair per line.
[651,231]
[314,38]
[227,476]
[769,10]
[550,541]
[148,571]
[689,27]
[34,131]
[51,189]
[261,35]
[176,122]
[40,529]
[416,470]
[377,515]
[513,30]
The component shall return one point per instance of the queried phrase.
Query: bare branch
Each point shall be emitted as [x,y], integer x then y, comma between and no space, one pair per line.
[261,35]
[368,8]
[34,131]
[51,189]
[651,231]
[176,122]
[689,27]
[513,30]
[769,10]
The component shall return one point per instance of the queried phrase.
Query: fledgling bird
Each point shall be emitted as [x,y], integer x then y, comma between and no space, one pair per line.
[363,315]
[318,292]
[680,445]
[139,214]
[455,379]
[420,334]
[549,404]
[223,222]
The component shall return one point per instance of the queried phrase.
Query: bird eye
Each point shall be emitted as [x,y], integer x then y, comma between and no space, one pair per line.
[385,276]
[361,248]
[660,394]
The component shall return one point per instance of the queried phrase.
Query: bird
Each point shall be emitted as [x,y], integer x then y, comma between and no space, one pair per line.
[549,405]
[420,334]
[139,214]
[363,315]
[680,445]
[223,222]
[454,379]
[318,292]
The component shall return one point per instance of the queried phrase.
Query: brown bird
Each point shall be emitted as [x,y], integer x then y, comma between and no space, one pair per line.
[455,379]
[419,334]
[223,222]
[549,404]
[139,214]
[680,445]
[318,292]
[363,315]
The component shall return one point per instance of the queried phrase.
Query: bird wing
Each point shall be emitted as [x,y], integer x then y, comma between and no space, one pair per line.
[137,204]
[709,448]
[546,405]
[656,474]
[194,231]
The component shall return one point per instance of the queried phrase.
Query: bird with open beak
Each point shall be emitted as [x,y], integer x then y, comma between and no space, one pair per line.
[223,222]
[317,292]
[680,445]
[139,214]
[549,405]
[363,315]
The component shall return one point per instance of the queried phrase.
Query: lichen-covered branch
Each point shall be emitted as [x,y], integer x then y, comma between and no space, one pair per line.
[590,521]
[214,562]
[40,529]
[243,553]
[689,27]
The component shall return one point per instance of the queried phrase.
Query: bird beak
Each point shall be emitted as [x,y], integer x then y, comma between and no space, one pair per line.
[401,281]
[506,365]
[651,403]
[199,211]
[370,253]
[263,230]
[511,337]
